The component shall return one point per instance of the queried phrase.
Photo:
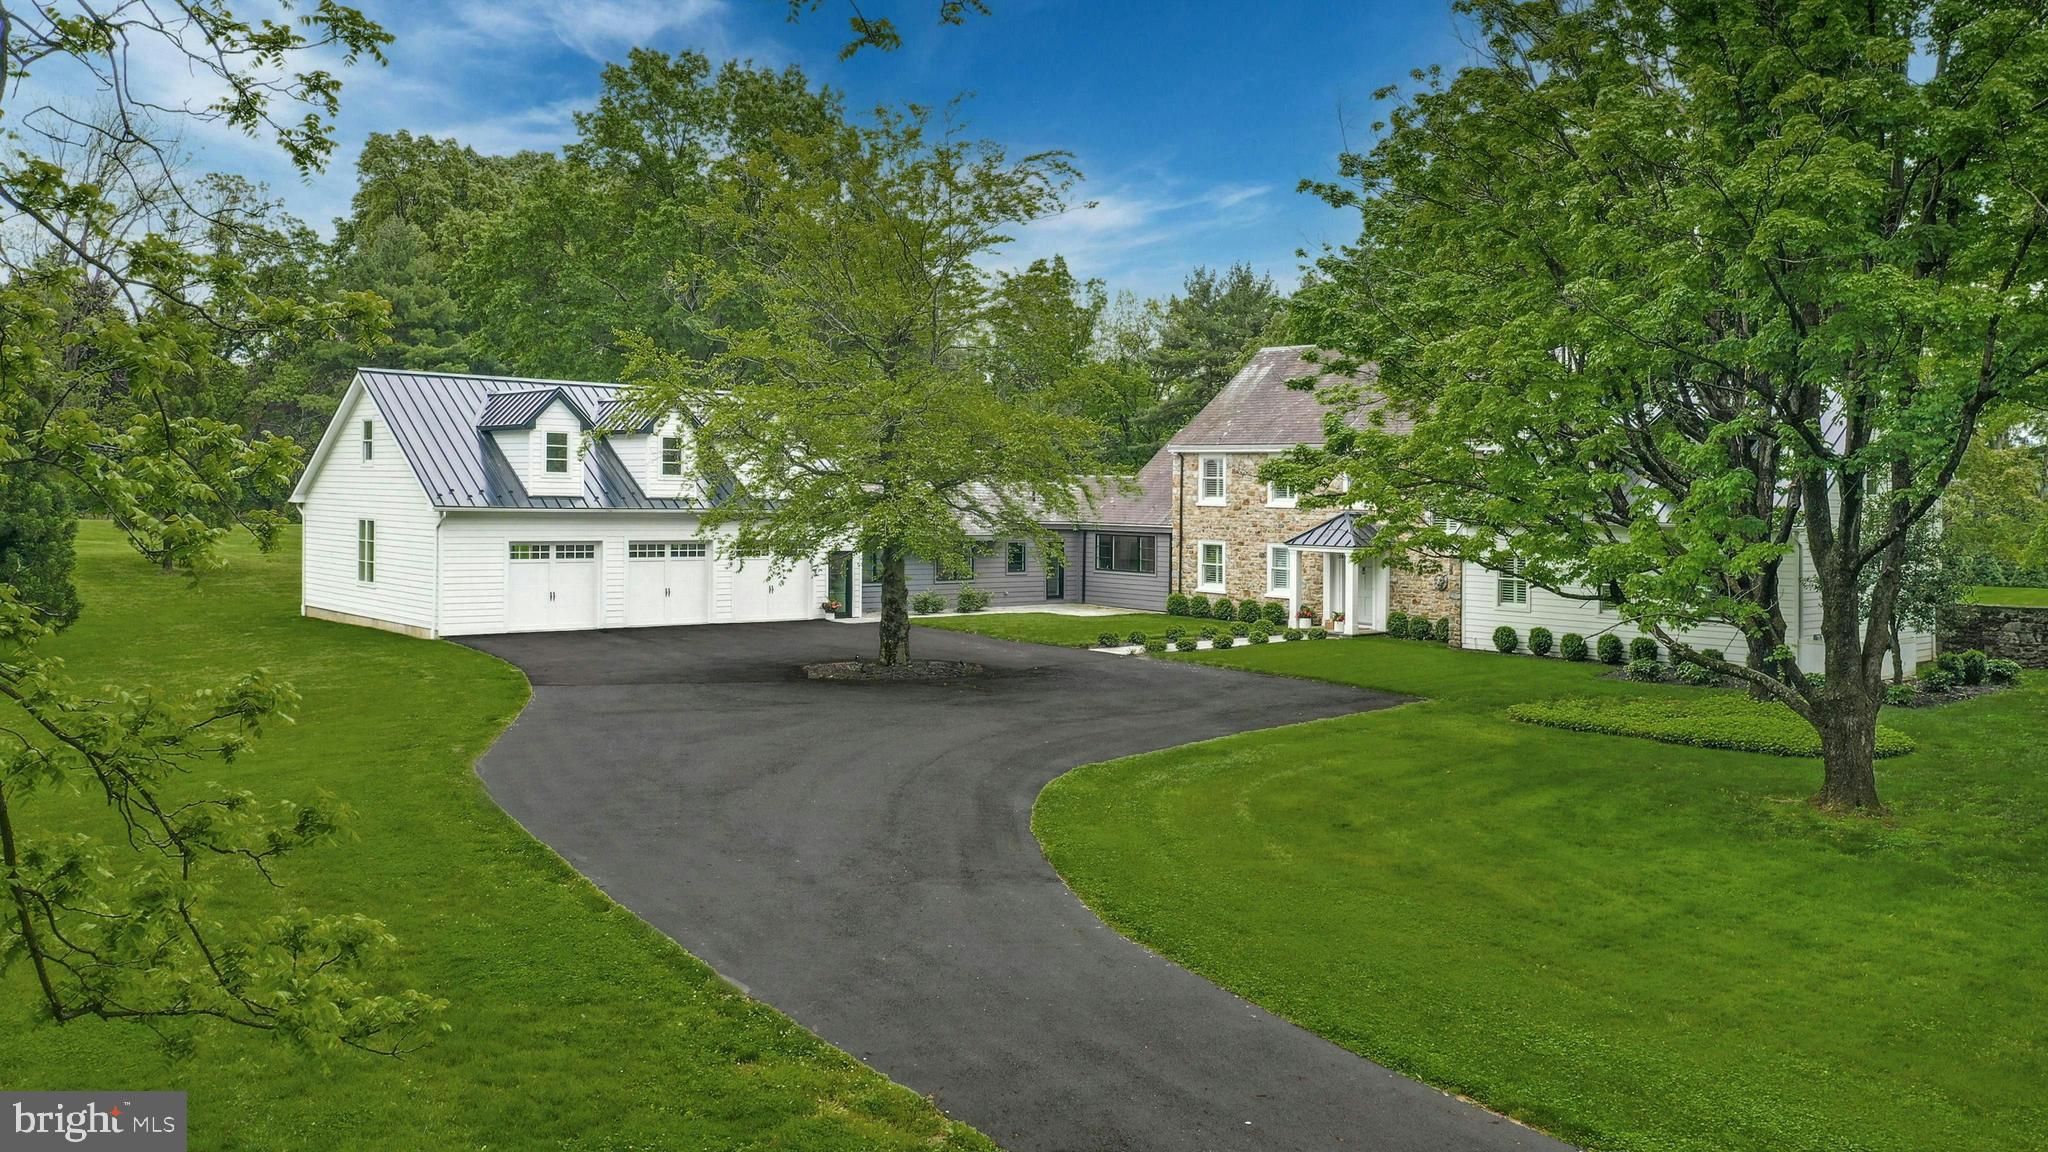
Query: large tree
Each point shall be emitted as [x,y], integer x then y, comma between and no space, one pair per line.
[122,296]
[1206,333]
[1665,287]
[852,402]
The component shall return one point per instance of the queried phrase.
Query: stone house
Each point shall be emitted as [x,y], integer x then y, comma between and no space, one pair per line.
[1236,535]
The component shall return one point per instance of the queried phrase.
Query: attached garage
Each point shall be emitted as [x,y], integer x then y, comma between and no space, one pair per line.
[552,585]
[759,594]
[668,582]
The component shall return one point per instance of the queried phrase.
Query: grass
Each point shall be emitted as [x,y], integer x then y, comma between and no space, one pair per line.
[1060,629]
[2009,597]
[1715,720]
[1629,944]
[574,1025]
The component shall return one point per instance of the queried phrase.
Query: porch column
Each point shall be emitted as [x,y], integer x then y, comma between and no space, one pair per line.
[1293,585]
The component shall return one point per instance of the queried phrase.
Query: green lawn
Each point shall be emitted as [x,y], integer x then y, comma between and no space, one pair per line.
[2011,597]
[1630,944]
[1058,628]
[575,1026]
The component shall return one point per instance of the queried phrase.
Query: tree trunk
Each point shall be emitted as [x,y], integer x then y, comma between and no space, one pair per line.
[1847,720]
[1898,655]
[1758,659]
[895,609]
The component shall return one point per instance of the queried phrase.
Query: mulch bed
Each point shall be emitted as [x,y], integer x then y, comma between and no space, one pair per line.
[915,672]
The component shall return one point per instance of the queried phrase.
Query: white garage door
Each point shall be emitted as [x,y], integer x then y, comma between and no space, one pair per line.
[758,595]
[551,585]
[668,582]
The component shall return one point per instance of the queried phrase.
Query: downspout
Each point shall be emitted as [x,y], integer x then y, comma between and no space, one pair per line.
[1084,565]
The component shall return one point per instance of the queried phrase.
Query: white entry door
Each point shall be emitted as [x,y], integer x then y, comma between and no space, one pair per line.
[668,582]
[758,595]
[551,586]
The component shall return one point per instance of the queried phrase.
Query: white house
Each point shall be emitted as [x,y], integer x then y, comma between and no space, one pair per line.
[447,505]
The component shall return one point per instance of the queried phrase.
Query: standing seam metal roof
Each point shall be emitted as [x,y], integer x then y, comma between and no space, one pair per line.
[1340,531]
[437,421]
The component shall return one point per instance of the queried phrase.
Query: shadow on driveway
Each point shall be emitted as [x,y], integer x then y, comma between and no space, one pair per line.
[860,857]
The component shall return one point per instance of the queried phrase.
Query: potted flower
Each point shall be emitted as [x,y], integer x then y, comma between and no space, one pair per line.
[831,607]
[1304,613]
[1336,617]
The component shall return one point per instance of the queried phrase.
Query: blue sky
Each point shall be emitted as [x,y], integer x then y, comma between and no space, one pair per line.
[1192,121]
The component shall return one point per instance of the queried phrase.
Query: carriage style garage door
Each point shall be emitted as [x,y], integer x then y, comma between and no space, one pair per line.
[551,585]
[668,582]
[758,595]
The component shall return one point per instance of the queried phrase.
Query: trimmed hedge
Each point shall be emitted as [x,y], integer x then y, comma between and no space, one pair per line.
[1258,634]
[1974,662]
[1572,647]
[1419,628]
[1725,721]
[1137,638]
[1318,634]
[1643,648]
[926,603]
[1505,639]
[1109,640]
[1611,649]
[1397,623]
[1539,641]
[1176,604]
[1186,643]
[1250,610]
[2002,671]
[1155,646]
[1441,633]
[1275,614]
[1198,607]
[1292,634]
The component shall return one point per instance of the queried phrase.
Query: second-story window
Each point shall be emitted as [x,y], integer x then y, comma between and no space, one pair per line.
[1213,477]
[671,455]
[558,452]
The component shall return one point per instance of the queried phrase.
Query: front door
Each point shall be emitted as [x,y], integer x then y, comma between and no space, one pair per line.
[1055,580]
[842,584]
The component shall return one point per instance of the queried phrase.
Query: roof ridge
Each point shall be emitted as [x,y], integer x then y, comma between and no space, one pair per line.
[540,380]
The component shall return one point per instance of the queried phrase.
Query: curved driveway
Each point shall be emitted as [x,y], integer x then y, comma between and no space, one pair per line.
[860,856]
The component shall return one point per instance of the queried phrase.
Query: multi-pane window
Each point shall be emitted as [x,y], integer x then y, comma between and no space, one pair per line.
[656,549]
[643,550]
[1512,588]
[575,551]
[871,566]
[1014,561]
[671,455]
[1212,479]
[1211,576]
[689,549]
[1120,552]
[1279,573]
[366,551]
[953,571]
[1280,494]
[558,452]
[529,551]
[369,440]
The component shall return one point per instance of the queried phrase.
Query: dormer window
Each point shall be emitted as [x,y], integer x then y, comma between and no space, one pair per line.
[557,452]
[671,455]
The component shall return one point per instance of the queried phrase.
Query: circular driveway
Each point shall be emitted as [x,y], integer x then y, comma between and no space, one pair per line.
[860,857]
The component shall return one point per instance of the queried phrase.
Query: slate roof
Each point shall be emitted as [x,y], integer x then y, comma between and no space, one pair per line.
[1257,408]
[438,419]
[1150,505]
[1344,530]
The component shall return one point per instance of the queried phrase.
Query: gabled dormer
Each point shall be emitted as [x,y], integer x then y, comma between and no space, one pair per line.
[656,449]
[541,433]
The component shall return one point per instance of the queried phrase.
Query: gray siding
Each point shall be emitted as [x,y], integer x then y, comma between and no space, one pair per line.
[1145,593]
[1004,588]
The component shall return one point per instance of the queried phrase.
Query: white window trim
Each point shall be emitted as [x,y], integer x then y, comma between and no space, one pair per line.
[1202,566]
[366,551]
[1277,501]
[568,453]
[1513,572]
[1286,568]
[1222,496]
[661,451]
[369,441]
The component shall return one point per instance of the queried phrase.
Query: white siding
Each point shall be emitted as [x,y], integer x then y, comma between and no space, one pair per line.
[533,471]
[474,561]
[642,454]
[1561,615]
[382,489]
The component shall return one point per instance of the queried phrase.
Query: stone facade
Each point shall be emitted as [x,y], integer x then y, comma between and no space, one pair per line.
[1247,525]
[2001,632]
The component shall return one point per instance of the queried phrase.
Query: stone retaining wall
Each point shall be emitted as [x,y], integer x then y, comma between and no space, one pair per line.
[2014,633]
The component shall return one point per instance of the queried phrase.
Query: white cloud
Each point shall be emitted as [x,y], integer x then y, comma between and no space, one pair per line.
[599,29]
[1141,233]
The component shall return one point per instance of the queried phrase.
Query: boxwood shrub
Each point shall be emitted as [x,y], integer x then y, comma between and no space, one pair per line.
[2002,671]
[1441,631]
[1419,628]
[1611,649]
[1251,610]
[1318,634]
[1643,648]
[1974,662]
[1240,629]
[1198,607]
[1505,639]
[1174,632]
[1187,643]
[1224,608]
[1292,633]
[1155,646]
[1275,613]
[1137,638]
[1729,720]
[1397,623]
[1110,640]
[1176,604]
[1258,634]
[1572,647]
[1539,641]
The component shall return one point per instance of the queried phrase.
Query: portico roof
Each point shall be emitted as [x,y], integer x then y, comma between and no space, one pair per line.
[1344,531]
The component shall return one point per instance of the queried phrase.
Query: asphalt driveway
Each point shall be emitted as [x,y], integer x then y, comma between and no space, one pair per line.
[860,856]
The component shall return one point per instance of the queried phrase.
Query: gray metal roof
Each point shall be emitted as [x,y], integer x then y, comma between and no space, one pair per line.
[1344,530]
[618,415]
[436,419]
[1258,409]
[520,408]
